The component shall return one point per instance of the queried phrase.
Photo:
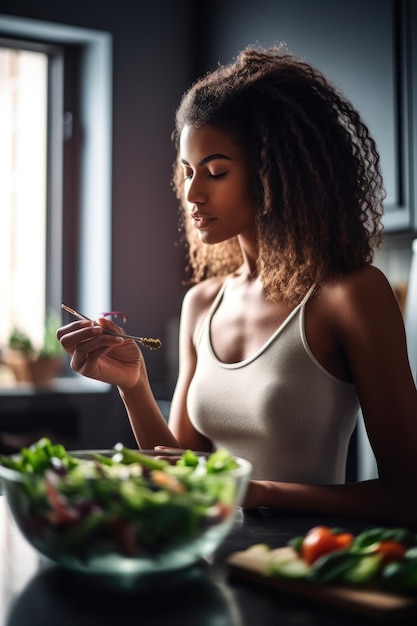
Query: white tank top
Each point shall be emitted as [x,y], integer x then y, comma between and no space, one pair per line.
[279,409]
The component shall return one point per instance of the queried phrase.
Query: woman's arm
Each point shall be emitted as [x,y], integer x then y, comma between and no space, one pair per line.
[362,313]
[148,424]
[366,500]
[194,308]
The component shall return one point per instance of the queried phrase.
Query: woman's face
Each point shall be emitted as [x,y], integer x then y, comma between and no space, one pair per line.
[217,184]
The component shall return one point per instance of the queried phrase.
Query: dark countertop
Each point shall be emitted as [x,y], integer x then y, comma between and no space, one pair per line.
[35,593]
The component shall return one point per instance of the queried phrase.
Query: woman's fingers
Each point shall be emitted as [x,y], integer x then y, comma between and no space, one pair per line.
[86,355]
[81,339]
[68,328]
[85,339]
[71,332]
[99,355]
[169,454]
[84,329]
[109,325]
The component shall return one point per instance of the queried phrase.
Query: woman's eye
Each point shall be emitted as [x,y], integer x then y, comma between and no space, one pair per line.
[187,173]
[212,175]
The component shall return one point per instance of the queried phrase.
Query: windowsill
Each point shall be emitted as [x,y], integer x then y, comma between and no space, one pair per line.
[66,385]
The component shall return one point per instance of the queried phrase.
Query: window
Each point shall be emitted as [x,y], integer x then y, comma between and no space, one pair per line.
[26,154]
[55,171]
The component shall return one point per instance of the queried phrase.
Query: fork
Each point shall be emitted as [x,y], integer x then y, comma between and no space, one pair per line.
[148,342]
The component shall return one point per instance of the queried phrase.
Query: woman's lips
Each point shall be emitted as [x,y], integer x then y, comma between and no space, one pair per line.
[200,221]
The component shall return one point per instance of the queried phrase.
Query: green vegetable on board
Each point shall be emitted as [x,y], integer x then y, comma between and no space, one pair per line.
[379,558]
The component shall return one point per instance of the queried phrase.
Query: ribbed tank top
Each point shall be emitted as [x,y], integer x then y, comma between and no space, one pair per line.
[279,408]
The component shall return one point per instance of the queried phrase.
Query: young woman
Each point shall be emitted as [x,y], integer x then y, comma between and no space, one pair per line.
[289,329]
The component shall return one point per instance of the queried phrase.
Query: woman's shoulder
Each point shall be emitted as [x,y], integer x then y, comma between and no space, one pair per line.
[358,296]
[363,284]
[198,300]
[203,293]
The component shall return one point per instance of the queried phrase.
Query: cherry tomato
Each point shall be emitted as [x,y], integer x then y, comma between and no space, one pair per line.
[391,551]
[321,540]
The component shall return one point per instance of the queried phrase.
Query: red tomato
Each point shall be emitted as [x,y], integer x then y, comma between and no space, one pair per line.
[322,540]
[391,551]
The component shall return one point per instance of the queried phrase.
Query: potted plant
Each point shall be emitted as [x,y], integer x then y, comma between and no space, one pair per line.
[30,365]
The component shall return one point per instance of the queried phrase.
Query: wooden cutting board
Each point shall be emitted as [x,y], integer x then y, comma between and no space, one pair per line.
[250,565]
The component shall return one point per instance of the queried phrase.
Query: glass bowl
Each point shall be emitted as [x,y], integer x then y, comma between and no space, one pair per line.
[103,515]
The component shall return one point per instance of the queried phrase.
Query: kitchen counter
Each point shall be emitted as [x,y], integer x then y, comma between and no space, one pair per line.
[34,592]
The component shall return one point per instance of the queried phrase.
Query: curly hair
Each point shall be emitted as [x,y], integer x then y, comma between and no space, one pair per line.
[317,184]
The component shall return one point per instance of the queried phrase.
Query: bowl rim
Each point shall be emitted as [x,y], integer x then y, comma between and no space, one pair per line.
[7,473]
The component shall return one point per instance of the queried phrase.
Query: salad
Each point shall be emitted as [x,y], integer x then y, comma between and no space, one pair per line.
[122,501]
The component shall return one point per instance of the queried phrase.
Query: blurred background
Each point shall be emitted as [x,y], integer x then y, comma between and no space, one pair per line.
[88,92]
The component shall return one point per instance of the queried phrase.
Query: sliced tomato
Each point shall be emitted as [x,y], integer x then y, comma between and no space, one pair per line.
[391,551]
[322,540]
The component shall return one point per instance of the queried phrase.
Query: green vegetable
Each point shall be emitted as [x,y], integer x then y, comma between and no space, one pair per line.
[334,567]
[293,570]
[367,539]
[127,456]
[347,568]
[296,543]
[220,461]
[39,457]
[101,458]
[411,553]
[364,571]
[400,576]
[288,565]
[188,458]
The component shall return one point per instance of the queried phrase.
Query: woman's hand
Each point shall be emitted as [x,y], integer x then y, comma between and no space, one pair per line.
[254,493]
[97,355]
[172,455]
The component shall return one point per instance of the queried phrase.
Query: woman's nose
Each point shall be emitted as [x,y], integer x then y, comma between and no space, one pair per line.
[194,191]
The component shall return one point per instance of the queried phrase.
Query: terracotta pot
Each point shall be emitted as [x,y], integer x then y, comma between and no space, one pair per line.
[39,371]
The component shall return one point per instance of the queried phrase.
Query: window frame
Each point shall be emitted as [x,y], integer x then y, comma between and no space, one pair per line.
[83,274]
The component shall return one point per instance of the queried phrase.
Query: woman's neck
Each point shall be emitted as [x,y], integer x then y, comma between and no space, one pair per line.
[249,267]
